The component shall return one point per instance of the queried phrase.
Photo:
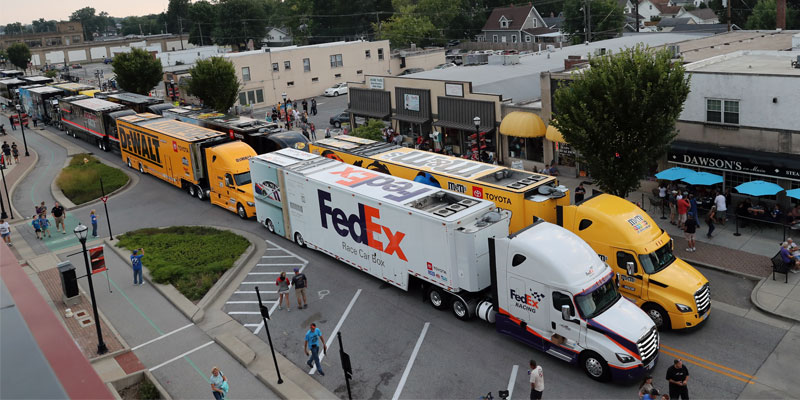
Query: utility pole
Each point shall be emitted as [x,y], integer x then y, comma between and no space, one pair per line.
[378,22]
[180,34]
[636,10]
[585,26]
[140,30]
[589,20]
[165,27]
[728,3]
[200,27]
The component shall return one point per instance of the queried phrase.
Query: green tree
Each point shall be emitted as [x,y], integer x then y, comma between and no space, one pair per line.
[177,15]
[42,25]
[444,15]
[15,28]
[238,21]
[297,21]
[371,130]
[19,54]
[51,73]
[92,24]
[763,16]
[620,114]
[214,82]
[137,71]
[408,27]
[607,20]
[202,15]
[740,11]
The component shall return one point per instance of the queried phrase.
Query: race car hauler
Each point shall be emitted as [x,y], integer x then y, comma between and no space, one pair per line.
[93,120]
[203,162]
[676,298]
[543,285]
[39,102]
[136,102]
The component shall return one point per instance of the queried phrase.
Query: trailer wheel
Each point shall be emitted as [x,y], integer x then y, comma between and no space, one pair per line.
[129,163]
[437,297]
[200,193]
[241,211]
[141,168]
[298,238]
[270,226]
[595,366]
[461,309]
[658,315]
[74,134]
[192,190]
[100,144]
[337,124]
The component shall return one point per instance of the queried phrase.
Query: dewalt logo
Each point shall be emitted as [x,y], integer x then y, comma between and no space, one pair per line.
[141,144]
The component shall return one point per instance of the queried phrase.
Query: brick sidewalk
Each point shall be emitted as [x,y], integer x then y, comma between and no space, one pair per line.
[717,256]
[85,335]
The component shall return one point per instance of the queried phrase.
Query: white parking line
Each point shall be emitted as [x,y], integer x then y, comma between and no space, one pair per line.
[244,313]
[251,325]
[182,355]
[286,256]
[254,292]
[410,362]
[281,264]
[511,380]
[248,302]
[289,252]
[258,283]
[160,337]
[336,330]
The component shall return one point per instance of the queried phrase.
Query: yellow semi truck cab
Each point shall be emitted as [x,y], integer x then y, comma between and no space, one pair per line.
[229,177]
[672,292]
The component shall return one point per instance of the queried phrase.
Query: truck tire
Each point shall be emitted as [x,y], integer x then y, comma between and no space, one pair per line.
[298,238]
[141,168]
[270,226]
[100,144]
[241,211]
[437,297]
[462,309]
[658,315]
[200,193]
[337,124]
[192,190]
[595,366]
[129,163]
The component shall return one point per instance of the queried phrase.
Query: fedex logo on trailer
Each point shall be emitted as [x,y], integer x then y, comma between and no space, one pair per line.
[396,190]
[363,227]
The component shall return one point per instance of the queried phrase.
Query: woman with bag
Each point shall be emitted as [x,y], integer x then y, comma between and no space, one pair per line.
[710,220]
[219,384]
[283,290]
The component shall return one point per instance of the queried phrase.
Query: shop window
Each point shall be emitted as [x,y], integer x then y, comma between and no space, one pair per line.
[367,54]
[245,74]
[290,83]
[336,61]
[494,38]
[566,155]
[259,96]
[380,54]
[275,67]
[306,65]
[315,79]
[337,76]
[242,98]
[359,72]
[287,65]
[722,111]
[531,149]
[251,97]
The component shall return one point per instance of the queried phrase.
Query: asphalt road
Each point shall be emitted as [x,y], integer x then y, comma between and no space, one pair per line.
[455,359]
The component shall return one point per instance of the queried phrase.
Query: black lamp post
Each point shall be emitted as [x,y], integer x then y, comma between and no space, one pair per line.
[3,214]
[477,121]
[22,126]
[81,231]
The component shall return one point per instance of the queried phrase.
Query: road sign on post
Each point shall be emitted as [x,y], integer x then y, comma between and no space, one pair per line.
[348,369]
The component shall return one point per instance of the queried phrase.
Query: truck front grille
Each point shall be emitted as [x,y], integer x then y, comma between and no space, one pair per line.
[703,300]
[648,346]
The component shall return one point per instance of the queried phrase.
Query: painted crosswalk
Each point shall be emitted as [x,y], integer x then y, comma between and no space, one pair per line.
[243,304]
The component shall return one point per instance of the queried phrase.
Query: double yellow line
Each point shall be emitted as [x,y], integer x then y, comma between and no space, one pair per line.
[709,365]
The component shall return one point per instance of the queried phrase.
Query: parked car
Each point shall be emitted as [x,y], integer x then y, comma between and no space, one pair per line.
[454,42]
[443,66]
[339,119]
[411,71]
[336,90]
[107,61]
[77,66]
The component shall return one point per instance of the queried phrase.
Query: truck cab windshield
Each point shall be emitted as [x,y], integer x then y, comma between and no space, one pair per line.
[594,303]
[657,260]
[242,178]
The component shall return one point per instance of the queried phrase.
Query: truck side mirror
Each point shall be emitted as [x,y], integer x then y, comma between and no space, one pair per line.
[228,181]
[630,267]
[566,315]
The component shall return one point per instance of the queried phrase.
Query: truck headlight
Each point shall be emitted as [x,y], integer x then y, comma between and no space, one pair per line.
[251,204]
[683,308]
[624,358]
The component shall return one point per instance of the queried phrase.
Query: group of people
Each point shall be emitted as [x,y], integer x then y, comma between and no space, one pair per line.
[684,211]
[42,225]
[678,379]
[9,151]
[293,115]
[299,282]
[747,210]
[790,255]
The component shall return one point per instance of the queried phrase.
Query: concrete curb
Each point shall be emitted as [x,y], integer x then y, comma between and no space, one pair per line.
[754,300]
[22,177]
[56,192]
[133,179]
[133,378]
[70,148]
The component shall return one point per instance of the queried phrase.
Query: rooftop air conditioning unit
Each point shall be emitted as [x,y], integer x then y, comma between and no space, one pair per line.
[674,50]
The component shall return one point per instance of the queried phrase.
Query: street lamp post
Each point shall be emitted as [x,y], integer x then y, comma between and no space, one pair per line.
[265,316]
[8,199]
[477,122]
[81,231]
[285,108]
[22,126]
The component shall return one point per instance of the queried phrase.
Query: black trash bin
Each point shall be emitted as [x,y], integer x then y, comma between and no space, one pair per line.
[69,283]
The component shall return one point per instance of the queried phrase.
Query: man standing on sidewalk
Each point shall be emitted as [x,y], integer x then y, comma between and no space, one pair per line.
[58,216]
[689,228]
[537,381]
[136,263]
[678,378]
[722,207]
[313,336]
[300,283]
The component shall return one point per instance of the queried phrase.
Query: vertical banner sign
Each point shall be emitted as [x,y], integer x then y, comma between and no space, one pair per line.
[98,261]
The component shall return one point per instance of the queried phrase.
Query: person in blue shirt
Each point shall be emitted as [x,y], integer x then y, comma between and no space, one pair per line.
[313,336]
[94,223]
[136,263]
[788,259]
[44,225]
[37,227]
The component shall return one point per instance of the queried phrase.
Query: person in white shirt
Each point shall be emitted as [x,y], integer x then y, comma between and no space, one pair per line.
[537,381]
[722,209]
[5,232]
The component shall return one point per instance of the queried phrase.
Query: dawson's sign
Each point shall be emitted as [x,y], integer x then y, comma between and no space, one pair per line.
[779,166]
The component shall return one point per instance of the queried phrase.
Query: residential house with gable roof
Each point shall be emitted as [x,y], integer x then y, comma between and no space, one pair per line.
[658,8]
[699,15]
[515,24]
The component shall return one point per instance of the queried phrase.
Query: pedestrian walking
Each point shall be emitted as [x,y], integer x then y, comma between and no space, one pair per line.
[283,290]
[313,337]
[41,209]
[646,386]
[44,224]
[678,378]
[219,384]
[313,106]
[722,207]
[37,227]
[136,263]
[305,106]
[11,121]
[15,152]
[580,192]
[710,221]
[683,210]
[300,284]
[35,122]
[327,133]
[58,215]
[6,153]
[537,380]
[93,217]
[652,394]
[313,132]
[689,229]
[5,232]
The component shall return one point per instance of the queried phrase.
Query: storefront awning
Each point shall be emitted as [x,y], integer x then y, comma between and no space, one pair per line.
[522,124]
[554,135]
[368,113]
[461,125]
[779,165]
[410,118]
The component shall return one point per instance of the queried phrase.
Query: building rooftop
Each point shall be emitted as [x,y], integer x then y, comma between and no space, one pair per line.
[294,47]
[723,43]
[522,81]
[750,62]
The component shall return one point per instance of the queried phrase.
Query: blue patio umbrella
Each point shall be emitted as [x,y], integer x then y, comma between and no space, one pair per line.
[702,179]
[795,193]
[759,188]
[674,173]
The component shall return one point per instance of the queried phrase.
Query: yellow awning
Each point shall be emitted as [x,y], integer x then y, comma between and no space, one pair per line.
[522,124]
[554,135]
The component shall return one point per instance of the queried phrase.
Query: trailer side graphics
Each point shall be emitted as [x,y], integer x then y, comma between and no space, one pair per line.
[141,144]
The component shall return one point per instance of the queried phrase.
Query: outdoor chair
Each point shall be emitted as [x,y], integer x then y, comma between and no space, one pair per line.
[780,267]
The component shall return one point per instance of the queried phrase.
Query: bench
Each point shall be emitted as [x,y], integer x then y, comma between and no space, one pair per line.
[780,267]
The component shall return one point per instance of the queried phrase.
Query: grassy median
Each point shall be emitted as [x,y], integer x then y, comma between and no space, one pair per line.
[191,258]
[80,180]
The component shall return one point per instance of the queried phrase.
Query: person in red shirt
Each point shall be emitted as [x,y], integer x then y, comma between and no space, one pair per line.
[683,208]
